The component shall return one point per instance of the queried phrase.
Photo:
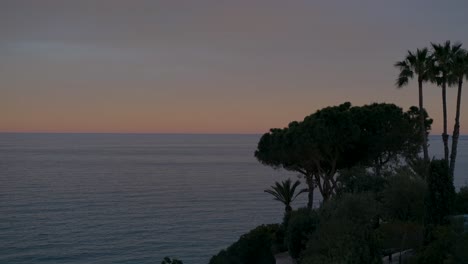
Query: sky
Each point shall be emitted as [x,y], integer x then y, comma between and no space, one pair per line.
[211,66]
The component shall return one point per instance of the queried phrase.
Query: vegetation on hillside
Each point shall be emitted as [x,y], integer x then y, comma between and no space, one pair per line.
[380,197]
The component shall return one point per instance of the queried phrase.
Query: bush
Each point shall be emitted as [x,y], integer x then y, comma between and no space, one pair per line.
[345,233]
[449,244]
[300,224]
[279,245]
[440,248]
[441,193]
[251,248]
[403,198]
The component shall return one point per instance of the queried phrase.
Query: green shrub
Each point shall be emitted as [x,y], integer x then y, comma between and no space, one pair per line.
[300,224]
[345,233]
[278,243]
[403,198]
[251,248]
[449,244]
[441,193]
[438,250]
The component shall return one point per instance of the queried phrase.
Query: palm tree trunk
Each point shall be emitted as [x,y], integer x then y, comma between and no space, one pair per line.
[445,136]
[456,129]
[423,127]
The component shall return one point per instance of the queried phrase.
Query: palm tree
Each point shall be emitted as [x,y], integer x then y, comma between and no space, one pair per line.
[418,64]
[443,55]
[284,192]
[459,71]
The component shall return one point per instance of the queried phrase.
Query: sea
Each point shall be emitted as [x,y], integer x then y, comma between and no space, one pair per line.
[136,198]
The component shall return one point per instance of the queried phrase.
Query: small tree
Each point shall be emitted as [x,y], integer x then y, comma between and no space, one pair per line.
[284,192]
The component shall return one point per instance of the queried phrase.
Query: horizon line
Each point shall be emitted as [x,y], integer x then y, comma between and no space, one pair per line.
[152,133]
[133,133]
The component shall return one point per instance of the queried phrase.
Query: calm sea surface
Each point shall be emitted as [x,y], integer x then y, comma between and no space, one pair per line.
[132,198]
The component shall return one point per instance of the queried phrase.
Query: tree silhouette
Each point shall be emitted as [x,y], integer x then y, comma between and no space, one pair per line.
[459,71]
[443,55]
[418,64]
[340,137]
[284,192]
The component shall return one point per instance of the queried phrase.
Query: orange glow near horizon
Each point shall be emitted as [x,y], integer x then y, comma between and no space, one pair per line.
[215,67]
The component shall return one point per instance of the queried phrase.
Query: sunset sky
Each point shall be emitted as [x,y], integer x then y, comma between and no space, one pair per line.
[211,66]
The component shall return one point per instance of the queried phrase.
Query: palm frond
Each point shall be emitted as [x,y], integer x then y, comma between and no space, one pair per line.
[401,81]
[456,47]
[415,64]
[276,195]
[284,191]
[401,64]
[300,192]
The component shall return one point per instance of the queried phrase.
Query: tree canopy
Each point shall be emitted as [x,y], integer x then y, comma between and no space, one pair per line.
[340,137]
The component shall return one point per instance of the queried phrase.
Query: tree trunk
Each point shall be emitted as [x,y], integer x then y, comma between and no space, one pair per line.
[423,127]
[456,130]
[327,188]
[445,136]
[310,185]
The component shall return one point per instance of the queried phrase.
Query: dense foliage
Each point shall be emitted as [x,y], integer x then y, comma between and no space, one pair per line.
[403,198]
[359,180]
[449,246]
[441,193]
[346,232]
[251,248]
[300,224]
[337,138]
